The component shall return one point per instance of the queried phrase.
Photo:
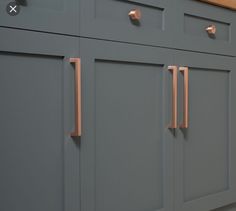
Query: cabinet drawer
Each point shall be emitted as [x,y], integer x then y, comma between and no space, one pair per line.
[204,27]
[111,20]
[57,16]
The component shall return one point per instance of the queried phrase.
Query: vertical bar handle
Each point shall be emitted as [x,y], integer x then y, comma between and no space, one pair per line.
[185,73]
[77,131]
[174,71]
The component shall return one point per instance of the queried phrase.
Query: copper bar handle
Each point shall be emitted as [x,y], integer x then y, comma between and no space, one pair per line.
[185,72]
[174,71]
[77,131]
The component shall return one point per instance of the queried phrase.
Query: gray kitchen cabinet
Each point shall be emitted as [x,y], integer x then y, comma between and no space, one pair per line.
[205,152]
[38,158]
[57,16]
[130,159]
[110,20]
[204,27]
[155,118]
[126,159]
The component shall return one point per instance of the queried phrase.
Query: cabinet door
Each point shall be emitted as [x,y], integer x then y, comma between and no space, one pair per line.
[58,16]
[38,159]
[126,148]
[205,152]
[109,19]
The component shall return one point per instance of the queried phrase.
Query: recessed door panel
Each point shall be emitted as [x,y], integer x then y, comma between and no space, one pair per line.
[31,144]
[129,167]
[206,148]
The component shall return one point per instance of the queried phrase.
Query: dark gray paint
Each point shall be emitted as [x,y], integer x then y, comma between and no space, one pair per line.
[126,150]
[58,16]
[205,152]
[38,159]
[108,19]
[175,24]
[127,139]
[127,160]
[126,87]
[194,25]
[207,135]
[191,35]
[31,156]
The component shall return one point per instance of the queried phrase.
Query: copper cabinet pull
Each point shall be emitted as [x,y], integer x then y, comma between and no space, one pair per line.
[174,71]
[211,30]
[185,73]
[135,14]
[77,131]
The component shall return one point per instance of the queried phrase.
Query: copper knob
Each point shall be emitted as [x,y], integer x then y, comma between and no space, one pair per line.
[211,30]
[135,15]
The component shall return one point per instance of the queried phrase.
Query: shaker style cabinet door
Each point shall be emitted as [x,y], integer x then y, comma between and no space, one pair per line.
[38,159]
[205,151]
[135,21]
[205,28]
[126,149]
[57,16]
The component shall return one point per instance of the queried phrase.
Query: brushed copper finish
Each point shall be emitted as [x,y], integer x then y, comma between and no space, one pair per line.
[77,131]
[211,30]
[185,73]
[135,14]
[174,71]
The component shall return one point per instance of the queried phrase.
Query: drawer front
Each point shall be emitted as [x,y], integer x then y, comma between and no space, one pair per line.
[204,27]
[57,16]
[113,20]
